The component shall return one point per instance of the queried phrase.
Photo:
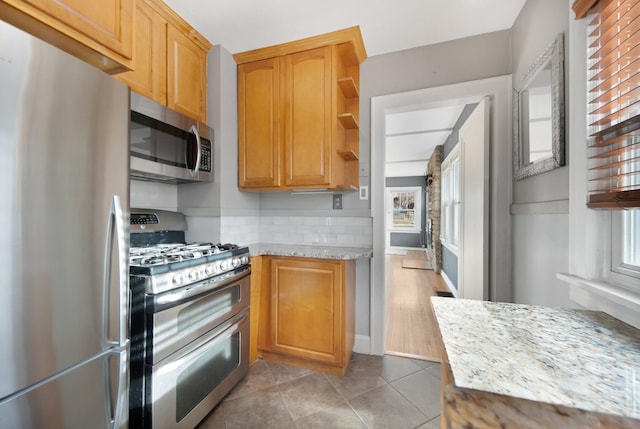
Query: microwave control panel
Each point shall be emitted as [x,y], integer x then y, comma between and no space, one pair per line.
[205,155]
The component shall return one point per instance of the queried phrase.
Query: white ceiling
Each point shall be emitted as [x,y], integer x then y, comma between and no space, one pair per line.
[386,26]
[412,136]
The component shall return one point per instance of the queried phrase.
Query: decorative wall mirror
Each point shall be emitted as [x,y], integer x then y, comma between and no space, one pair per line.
[538,115]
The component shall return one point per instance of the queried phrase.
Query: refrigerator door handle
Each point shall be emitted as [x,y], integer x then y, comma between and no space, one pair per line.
[117,231]
[121,402]
[116,222]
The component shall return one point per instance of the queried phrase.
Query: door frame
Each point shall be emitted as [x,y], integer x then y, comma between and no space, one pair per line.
[499,90]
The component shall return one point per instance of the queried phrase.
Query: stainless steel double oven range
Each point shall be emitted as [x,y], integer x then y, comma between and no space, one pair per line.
[189,322]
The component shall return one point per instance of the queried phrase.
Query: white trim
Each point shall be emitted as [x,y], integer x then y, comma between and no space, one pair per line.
[397,250]
[541,207]
[499,88]
[450,247]
[449,283]
[362,344]
[614,300]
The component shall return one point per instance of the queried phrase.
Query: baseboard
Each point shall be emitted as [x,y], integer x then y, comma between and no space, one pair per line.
[362,344]
[450,285]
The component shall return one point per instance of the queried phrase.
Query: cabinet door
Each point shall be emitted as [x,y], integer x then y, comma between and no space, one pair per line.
[307,309]
[186,75]
[106,22]
[149,75]
[308,95]
[259,130]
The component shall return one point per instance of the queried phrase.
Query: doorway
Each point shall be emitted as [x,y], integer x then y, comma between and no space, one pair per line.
[498,89]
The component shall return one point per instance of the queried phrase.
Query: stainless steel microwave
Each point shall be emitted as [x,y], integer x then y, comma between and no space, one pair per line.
[168,146]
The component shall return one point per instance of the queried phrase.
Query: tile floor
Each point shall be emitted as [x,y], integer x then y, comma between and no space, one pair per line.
[376,392]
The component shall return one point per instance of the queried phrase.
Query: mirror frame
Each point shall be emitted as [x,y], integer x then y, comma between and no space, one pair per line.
[554,54]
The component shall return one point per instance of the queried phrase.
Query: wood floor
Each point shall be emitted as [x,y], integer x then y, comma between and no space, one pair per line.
[411,329]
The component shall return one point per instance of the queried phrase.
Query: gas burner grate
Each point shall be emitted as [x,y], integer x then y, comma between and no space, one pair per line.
[168,253]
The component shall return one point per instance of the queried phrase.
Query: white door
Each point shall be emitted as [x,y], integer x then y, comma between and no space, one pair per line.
[473,263]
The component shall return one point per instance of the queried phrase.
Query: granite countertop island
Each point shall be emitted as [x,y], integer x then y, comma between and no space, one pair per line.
[522,366]
[310,251]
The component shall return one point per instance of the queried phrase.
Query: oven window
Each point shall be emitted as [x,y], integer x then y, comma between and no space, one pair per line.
[208,309]
[202,376]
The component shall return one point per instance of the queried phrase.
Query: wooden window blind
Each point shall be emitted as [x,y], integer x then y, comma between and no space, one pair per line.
[613,86]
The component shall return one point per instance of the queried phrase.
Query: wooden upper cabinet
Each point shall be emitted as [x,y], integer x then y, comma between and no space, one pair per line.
[98,32]
[169,61]
[308,118]
[186,75]
[259,124]
[298,113]
[149,74]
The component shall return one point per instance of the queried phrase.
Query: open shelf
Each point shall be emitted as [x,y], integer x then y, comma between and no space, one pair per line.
[348,155]
[348,121]
[348,87]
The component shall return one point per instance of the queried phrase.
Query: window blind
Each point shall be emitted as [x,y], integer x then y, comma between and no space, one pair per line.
[613,86]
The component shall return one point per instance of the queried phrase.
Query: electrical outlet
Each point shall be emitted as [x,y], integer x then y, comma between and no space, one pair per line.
[364,192]
[337,201]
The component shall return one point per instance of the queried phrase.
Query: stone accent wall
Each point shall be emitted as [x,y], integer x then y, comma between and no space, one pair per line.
[434,251]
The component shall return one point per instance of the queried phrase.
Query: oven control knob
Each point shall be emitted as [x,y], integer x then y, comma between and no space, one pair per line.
[225,265]
[208,270]
[177,279]
[193,276]
[235,262]
[245,260]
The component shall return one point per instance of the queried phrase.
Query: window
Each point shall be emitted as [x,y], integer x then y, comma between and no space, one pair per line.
[406,212]
[613,94]
[625,247]
[631,241]
[450,219]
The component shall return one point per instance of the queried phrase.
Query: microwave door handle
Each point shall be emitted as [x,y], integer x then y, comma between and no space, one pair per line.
[194,130]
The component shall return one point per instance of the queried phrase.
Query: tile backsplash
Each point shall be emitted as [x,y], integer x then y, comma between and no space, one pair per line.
[154,195]
[325,231]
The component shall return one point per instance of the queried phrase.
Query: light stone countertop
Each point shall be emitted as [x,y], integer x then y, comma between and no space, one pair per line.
[580,359]
[310,251]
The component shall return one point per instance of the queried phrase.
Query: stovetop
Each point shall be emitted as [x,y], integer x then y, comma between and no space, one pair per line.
[161,258]
[162,254]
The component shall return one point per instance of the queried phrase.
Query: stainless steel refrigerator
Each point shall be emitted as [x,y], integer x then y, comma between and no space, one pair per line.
[64,198]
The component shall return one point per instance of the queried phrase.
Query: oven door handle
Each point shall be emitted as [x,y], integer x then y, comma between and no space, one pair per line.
[172,299]
[191,353]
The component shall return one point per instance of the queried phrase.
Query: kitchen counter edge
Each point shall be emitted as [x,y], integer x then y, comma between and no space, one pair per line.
[310,251]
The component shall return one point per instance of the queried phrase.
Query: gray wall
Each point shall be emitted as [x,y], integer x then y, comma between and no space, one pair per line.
[407,239]
[456,61]
[453,138]
[450,265]
[459,61]
[221,197]
[540,231]
[535,28]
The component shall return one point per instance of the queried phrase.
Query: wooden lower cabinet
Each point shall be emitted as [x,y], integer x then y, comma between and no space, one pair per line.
[307,312]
